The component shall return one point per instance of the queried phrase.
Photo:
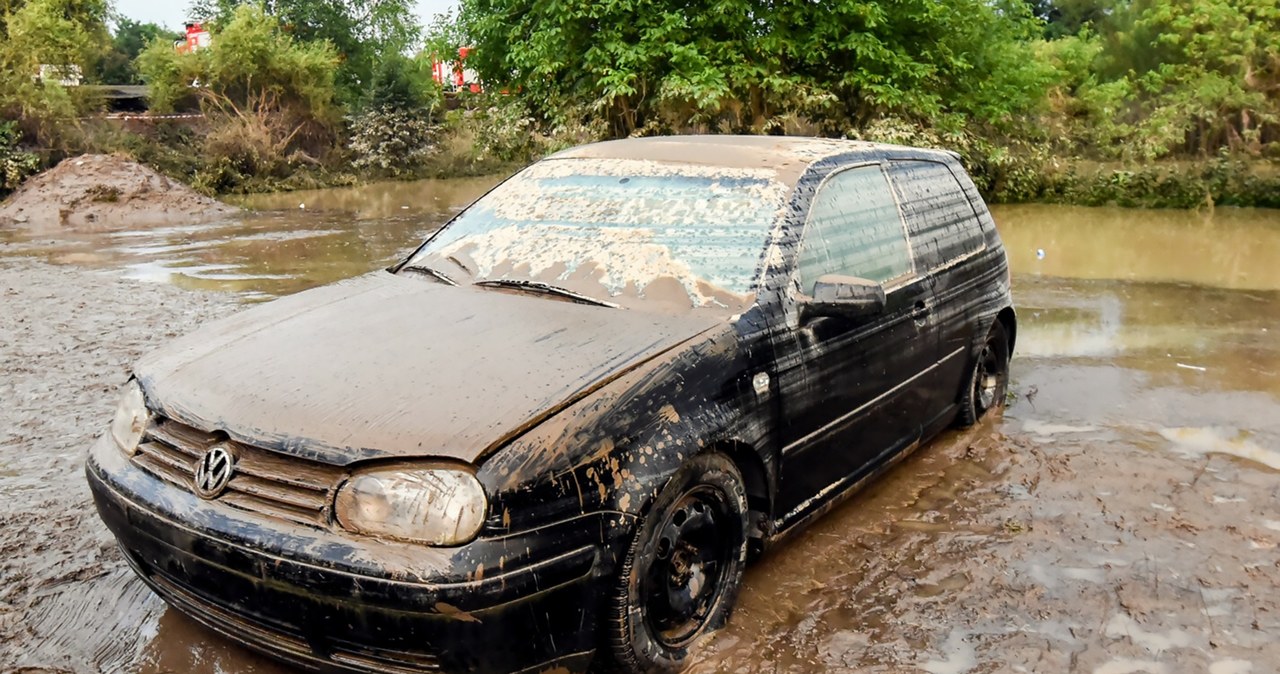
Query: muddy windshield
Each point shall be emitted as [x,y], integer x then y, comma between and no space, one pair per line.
[629,232]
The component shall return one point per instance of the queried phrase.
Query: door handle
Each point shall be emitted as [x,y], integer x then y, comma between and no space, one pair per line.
[920,311]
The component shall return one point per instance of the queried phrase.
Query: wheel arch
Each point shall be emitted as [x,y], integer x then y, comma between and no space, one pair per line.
[755,476]
[1009,321]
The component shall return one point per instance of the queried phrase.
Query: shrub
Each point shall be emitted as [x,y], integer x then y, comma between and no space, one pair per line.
[390,142]
[15,164]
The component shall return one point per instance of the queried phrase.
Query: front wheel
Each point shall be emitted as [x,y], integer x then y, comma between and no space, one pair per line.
[987,380]
[683,570]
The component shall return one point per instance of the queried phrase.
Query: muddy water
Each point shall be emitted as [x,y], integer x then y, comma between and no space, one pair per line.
[284,243]
[1123,516]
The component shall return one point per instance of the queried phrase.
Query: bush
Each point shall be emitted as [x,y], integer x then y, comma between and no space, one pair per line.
[392,143]
[15,164]
[251,62]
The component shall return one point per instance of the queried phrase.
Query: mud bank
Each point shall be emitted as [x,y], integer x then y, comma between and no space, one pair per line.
[96,190]
[67,337]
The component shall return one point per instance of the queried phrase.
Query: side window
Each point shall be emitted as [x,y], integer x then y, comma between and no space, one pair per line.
[942,223]
[854,228]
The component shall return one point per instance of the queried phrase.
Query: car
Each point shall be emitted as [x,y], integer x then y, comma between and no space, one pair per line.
[554,434]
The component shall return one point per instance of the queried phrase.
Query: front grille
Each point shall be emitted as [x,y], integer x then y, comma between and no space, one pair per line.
[284,639]
[288,488]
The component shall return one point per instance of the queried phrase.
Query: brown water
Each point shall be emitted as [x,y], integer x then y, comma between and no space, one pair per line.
[1123,516]
[285,242]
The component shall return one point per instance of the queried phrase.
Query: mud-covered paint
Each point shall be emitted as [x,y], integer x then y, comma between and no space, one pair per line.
[386,366]
[575,416]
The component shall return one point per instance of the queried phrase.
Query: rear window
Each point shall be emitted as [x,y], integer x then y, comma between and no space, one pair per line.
[942,223]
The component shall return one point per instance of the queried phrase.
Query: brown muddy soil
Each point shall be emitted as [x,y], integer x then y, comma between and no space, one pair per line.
[67,338]
[1122,517]
[97,190]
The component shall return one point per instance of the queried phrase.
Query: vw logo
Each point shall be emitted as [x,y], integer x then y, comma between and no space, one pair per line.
[214,472]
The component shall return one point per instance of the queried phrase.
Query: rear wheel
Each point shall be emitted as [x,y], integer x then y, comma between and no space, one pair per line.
[988,379]
[683,570]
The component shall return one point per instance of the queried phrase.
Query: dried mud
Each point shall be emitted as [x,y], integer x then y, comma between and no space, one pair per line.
[1123,516]
[96,190]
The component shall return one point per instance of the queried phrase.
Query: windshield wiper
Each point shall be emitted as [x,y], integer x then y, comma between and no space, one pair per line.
[538,286]
[433,273]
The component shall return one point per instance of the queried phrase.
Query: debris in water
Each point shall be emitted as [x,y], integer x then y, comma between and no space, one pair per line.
[1197,368]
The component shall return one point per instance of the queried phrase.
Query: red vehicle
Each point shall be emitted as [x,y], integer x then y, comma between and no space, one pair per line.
[197,38]
[454,75]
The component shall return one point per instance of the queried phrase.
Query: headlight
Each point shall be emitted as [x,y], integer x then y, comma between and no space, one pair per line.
[131,419]
[437,506]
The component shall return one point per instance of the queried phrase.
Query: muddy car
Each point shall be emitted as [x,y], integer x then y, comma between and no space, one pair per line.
[556,431]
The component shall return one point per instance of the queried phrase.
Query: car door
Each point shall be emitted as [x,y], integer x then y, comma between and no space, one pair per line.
[947,242]
[844,383]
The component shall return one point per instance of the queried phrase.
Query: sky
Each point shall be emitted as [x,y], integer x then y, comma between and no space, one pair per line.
[173,13]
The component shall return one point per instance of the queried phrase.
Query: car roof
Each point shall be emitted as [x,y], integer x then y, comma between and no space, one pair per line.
[787,156]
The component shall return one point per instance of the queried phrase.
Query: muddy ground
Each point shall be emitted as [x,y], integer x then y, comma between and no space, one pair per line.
[98,190]
[1122,517]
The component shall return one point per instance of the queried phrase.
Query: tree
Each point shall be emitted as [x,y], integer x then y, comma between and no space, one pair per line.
[1182,76]
[131,37]
[251,58]
[363,32]
[742,64]
[269,98]
[66,34]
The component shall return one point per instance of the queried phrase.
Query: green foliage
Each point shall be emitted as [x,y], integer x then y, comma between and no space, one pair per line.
[405,84]
[116,66]
[392,136]
[1220,181]
[269,98]
[737,66]
[362,32]
[66,34]
[1163,78]
[391,142]
[15,164]
[252,64]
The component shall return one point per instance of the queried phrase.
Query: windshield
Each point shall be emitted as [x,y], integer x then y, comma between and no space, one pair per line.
[630,232]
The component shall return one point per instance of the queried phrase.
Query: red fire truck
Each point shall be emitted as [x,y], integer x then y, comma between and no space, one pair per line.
[197,38]
[455,75]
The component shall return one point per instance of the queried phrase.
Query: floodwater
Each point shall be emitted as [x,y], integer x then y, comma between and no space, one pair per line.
[1123,515]
[287,242]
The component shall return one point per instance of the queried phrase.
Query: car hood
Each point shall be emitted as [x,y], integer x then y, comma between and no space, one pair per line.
[395,366]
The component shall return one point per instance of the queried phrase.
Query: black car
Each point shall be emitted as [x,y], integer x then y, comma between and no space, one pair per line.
[555,432]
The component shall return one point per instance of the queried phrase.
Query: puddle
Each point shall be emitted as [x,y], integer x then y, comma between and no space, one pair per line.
[1202,441]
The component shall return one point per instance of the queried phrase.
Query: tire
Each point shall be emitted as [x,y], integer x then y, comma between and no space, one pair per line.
[682,572]
[987,379]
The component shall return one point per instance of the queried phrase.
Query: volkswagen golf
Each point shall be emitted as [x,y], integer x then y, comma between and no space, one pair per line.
[555,432]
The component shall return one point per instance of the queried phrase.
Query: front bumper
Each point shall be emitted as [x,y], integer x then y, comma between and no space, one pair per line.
[326,600]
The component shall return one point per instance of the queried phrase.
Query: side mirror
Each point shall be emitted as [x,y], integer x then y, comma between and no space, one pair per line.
[841,296]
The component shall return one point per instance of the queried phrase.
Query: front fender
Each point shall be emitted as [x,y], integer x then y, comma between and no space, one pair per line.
[615,450]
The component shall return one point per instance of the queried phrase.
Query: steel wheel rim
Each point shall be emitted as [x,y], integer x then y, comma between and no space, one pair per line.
[986,381]
[682,584]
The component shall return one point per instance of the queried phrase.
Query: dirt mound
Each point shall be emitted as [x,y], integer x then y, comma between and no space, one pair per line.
[96,190]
